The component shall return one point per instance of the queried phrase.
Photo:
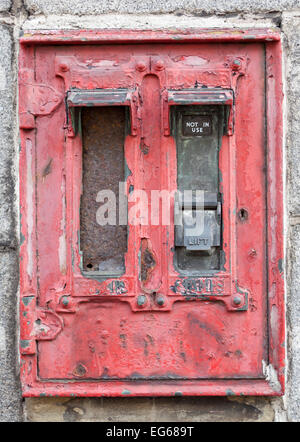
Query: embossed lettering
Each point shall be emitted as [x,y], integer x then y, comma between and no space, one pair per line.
[199,286]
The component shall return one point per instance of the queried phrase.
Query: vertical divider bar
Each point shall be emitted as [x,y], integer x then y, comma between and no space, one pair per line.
[232,210]
[70,143]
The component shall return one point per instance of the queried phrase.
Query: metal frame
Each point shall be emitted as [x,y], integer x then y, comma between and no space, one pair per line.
[31,385]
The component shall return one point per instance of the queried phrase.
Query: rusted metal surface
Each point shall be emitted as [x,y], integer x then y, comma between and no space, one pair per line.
[79,98]
[103,167]
[147,260]
[153,330]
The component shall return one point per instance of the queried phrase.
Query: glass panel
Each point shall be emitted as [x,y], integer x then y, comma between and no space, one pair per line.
[198,132]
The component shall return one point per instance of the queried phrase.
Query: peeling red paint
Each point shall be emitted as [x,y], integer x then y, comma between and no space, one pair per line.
[173,333]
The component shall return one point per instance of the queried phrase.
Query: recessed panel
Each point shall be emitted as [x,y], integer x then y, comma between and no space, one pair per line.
[198,132]
[102,246]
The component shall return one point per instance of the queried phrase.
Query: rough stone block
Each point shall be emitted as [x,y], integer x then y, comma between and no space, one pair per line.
[205,7]
[10,395]
[5,5]
[7,196]
[291,28]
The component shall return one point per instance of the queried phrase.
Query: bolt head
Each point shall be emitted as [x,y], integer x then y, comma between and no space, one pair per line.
[160,300]
[65,301]
[141,300]
[237,300]
[236,65]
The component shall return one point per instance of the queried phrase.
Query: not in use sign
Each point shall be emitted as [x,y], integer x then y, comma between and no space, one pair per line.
[196,125]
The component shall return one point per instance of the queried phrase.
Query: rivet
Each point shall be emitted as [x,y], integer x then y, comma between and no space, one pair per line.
[65,301]
[140,66]
[141,300]
[64,67]
[236,65]
[160,300]
[237,300]
[159,65]
[80,370]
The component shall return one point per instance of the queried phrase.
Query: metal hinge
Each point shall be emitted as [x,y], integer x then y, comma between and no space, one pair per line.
[38,99]
[38,324]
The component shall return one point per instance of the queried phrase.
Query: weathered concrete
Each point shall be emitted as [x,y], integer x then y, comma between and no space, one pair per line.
[150,410]
[147,21]
[194,7]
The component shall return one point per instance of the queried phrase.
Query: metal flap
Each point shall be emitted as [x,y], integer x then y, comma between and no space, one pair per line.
[78,98]
[98,97]
[201,96]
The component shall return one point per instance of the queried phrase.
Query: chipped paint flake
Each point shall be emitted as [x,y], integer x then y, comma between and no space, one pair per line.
[271,376]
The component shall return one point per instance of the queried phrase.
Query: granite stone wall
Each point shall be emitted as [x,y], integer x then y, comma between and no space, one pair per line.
[19,15]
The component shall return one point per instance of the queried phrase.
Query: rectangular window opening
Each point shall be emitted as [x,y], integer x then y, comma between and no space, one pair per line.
[103,167]
[198,133]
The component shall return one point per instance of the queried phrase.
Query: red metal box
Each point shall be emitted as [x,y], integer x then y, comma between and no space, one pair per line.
[117,126]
